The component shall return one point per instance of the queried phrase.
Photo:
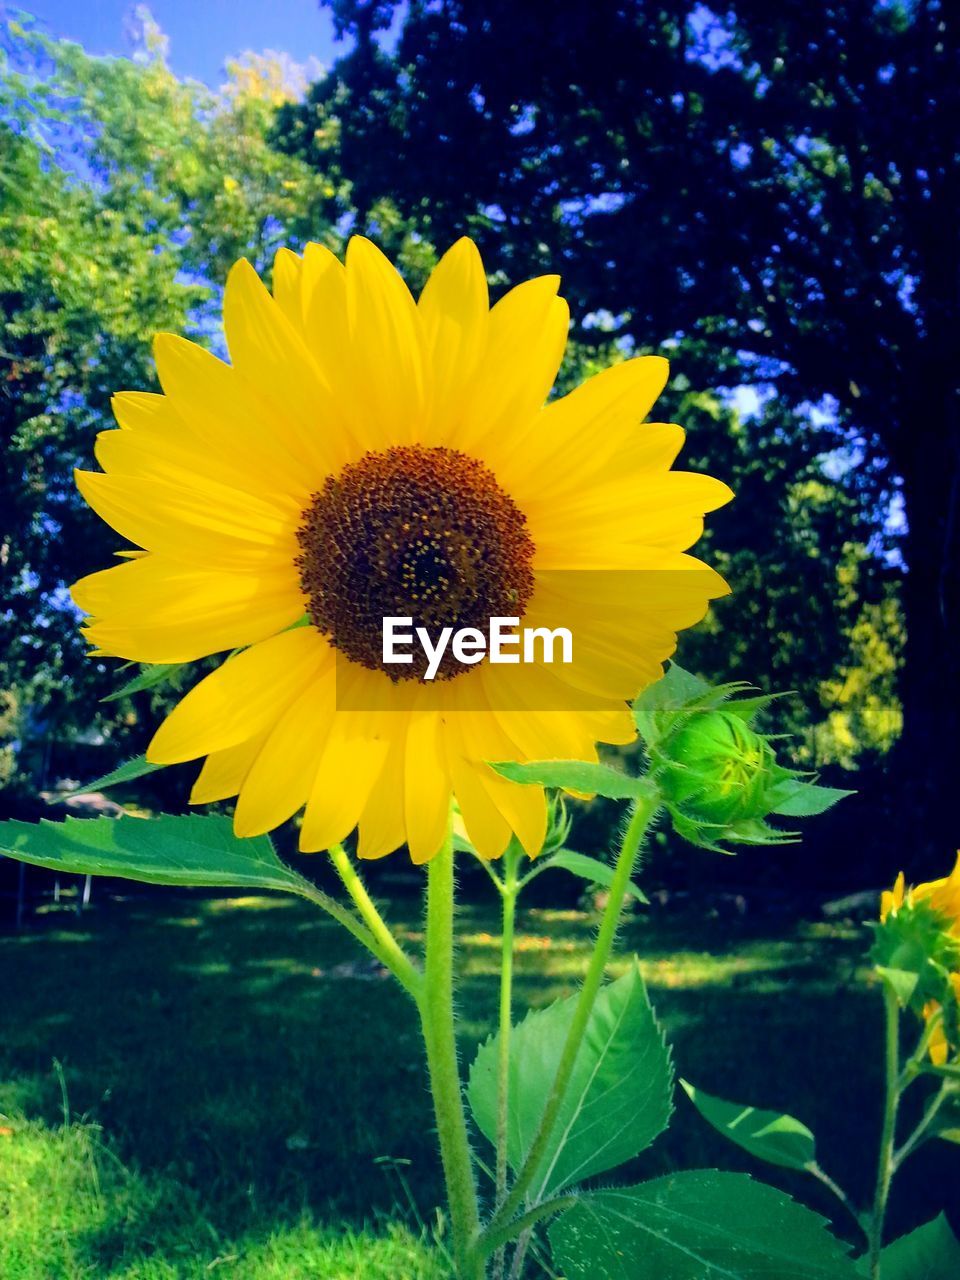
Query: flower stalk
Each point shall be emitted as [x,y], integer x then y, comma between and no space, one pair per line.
[885,1163]
[509,888]
[643,813]
[437,1019]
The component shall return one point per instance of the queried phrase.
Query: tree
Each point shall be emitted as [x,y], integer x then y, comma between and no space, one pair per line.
[773,187]
[126,195]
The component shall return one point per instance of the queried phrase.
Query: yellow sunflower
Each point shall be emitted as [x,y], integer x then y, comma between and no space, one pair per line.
[366,455]
[942,896]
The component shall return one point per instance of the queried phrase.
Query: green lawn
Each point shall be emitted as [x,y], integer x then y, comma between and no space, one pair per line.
[246,1098]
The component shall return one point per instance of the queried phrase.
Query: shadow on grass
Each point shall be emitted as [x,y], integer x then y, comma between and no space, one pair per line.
[244,1058]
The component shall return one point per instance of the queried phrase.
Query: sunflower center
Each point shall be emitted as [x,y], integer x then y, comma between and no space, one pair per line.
[418,532]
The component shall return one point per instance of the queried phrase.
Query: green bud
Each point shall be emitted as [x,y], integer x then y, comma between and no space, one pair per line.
[717,769]
[719,777]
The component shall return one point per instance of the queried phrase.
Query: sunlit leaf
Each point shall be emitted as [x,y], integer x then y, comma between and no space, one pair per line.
[769,1135]
[189,850]
[619,1097]
[578,776]
[701,1225]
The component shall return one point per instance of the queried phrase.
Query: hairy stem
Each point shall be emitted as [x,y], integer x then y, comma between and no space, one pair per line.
[509,889]
[384,945]
[643,812]
[885,1162]
[437,1017]
[920,1132]
[835,1189]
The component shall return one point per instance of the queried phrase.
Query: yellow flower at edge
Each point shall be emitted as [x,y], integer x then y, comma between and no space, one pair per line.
[938,1047]
[367,455]
[942,896]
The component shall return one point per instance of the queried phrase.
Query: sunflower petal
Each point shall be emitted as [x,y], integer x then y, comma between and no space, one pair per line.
[526,339]
[281,777]
[387,345]
[349,769]
[151,609]
[426,787]
[223,772]
[242,698]
[453,308]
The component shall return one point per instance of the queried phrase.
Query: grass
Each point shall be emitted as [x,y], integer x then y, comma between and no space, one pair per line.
[240,1094]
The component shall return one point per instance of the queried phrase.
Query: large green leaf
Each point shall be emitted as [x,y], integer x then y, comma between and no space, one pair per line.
[577,775]
[769,1135]
[701,1225]
[618,1099]
[932,1252]
[189,850]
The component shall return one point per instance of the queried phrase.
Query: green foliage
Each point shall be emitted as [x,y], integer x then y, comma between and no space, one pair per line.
[190,850]
[932,1252]
[126,194]
[768,1135]
[618,1100]
[151,676]
[138,767]
[702,1225]
[581,864]
[915,952]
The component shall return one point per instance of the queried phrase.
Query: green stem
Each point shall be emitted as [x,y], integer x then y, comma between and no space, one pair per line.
[436,1012]
[914,1064]
[835,1189]
[643,812]
[342,916]
[380,940]
[497,1239]
[509,889]
[929,1115]
[885,1163]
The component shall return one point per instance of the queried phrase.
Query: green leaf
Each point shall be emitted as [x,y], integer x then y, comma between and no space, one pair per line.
[804,799]
[932,1252]
[138,767]
[902,982]
[590,869]
[150,676]
[749,708]
[701,1225]
[189,850]
[618,1099]
[577,775]
[674,688]
[947,1123]
[769,1135]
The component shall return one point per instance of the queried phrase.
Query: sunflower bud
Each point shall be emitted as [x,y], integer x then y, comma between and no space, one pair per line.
[717,769]
[719,776]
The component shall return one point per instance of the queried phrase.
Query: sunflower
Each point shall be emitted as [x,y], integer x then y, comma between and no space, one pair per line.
[365,455]
[941,896]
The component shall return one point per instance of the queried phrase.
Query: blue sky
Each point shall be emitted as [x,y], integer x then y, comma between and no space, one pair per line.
[203,33]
